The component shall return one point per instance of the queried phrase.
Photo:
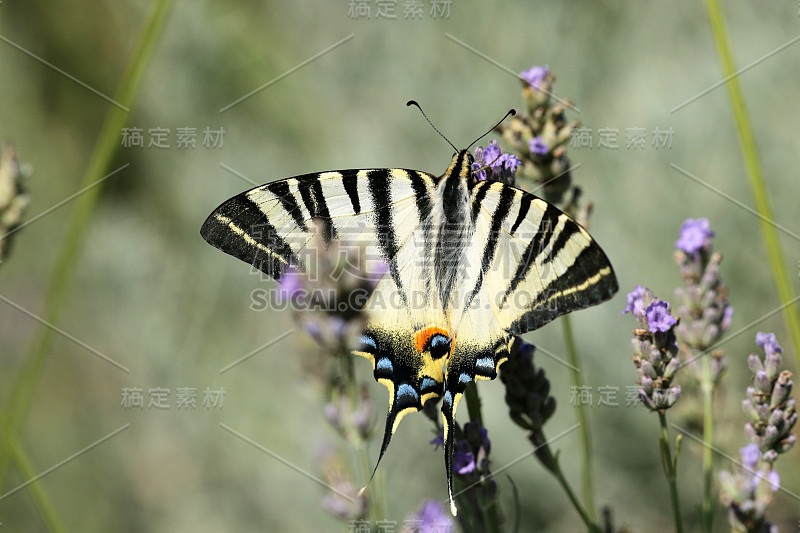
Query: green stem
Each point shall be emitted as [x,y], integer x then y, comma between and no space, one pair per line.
[546,457]
[473,400]
[585,432]
[36,490]
[707,388]
[754,175]
[669,472]
[30,370]
[488,509]
[492,517]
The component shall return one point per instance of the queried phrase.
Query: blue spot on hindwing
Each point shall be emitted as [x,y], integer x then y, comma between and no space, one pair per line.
[485,364]
[464,379]
[439,346]
[448,399]
[368,341]
[428,383]
[407,391]
[384,364]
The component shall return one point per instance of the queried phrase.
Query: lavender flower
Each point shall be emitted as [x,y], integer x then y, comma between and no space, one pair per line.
[431,518]
[658,317]
[471,473]
[696,234]
[535,76]
[472,447]
[656,349]
[438,440]
[528,398]
[703,302]
[539,137]
[491,153]
[527,388]
[329,300]
[501,165]
[537,146]
[768,404]
[635,300]
[463,462]
[768,343]
[748,492]
[290,286]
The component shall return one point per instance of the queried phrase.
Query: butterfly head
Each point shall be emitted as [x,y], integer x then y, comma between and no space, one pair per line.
[461,164]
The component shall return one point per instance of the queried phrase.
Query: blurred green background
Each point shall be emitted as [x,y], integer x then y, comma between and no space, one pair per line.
[150,294]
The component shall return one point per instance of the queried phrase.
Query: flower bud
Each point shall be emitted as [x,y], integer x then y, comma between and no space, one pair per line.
[754,363]
[772,365]
[762,382]
[672,367]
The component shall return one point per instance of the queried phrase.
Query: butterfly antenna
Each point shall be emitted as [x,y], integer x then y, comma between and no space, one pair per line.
[511,112]
[414,103]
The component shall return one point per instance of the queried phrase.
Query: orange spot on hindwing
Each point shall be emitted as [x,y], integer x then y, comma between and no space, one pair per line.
[435,340]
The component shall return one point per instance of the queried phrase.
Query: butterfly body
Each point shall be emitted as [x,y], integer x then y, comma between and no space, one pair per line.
[470,265]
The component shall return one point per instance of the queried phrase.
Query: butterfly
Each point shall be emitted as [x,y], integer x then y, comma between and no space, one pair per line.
[471,264]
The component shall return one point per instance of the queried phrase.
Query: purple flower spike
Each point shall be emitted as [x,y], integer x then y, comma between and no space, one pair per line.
[694,235]
[537,146]
[290,284]
[635,301]
[485,442]
[480,175]
[463,462]
[658,317]
[774,480]
[768,343]
[535,75]
[509,162]
[750,455]
[491,153]
[432,517]
[438,440]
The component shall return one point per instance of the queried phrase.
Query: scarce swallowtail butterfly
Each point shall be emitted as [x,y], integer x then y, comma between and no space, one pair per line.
[471,264]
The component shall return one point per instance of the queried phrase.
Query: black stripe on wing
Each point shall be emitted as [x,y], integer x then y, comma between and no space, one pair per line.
[350,182]
[588,281]
[239,228]
[498,217]
[380,190]
[316,204]
[281,191]
[525,205]
[570,228]
[422,196]
[538,243]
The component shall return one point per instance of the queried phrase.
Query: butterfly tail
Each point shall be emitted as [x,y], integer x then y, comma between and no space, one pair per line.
[448,418]
[387,438]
